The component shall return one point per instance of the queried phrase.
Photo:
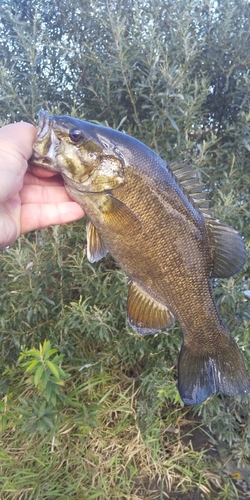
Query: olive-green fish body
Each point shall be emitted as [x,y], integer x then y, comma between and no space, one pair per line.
[142,212]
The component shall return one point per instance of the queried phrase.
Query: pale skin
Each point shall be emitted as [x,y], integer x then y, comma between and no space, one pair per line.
[30,199]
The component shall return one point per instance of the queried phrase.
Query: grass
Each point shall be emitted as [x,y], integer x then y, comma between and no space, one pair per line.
[115,427]
[104,456]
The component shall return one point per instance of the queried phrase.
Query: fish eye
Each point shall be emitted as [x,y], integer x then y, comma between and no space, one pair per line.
[75,135]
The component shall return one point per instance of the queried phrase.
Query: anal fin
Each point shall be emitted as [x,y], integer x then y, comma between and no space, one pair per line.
[145,314]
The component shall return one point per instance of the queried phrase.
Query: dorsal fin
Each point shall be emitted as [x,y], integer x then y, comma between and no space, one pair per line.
[189,180]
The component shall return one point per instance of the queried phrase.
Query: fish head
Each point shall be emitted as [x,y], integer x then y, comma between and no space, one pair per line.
[84,154]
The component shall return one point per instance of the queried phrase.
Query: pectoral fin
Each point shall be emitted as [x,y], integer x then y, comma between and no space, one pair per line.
[95,246]
[229,252]
[121,217]
[116,214]
[146,315]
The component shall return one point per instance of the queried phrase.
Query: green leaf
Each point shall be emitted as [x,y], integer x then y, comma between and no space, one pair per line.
[58,358]
[48,392]
[49,353]
[45,378]
[31,365]
[50,423]
[43,347]
[53,368]
[62,373]
[30,353]
[173,123]
[3,421]
[38,374]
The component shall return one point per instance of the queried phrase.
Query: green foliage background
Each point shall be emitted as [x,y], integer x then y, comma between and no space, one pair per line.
[104,420]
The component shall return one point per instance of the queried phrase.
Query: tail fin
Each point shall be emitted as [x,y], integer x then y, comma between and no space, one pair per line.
[203,375]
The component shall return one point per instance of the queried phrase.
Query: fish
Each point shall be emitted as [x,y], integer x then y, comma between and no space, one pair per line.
[154,219]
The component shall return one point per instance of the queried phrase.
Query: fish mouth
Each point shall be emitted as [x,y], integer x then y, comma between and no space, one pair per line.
[43,124]
[45,143]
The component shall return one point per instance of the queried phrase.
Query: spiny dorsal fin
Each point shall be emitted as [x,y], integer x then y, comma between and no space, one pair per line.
[190,182]
[228,247]
[145,314]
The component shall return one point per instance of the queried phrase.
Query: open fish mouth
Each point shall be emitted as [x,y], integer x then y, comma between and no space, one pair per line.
[46,143]
[43,124]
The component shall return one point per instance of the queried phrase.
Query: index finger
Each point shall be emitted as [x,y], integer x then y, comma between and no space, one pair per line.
[16,140]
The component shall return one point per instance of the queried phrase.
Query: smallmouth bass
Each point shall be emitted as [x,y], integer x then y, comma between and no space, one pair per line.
[153,218]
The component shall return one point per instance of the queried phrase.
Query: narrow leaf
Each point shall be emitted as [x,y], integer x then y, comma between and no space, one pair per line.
[53,368]
[31,365]
[38,374]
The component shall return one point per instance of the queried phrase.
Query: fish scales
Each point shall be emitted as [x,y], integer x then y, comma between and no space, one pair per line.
[140,212]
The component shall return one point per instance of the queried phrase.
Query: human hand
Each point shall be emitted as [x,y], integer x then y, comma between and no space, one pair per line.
[28,202]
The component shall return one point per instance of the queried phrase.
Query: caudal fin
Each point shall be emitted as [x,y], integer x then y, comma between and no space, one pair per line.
[202,375]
